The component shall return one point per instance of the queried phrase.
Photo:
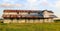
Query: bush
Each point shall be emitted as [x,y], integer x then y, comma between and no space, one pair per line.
[57,20]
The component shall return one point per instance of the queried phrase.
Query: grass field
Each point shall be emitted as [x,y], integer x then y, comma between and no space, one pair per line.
[30,27]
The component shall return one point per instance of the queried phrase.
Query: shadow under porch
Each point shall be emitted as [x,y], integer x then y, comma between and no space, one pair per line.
[28,20]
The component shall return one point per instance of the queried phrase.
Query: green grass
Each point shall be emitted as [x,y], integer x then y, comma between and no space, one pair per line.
[30,27]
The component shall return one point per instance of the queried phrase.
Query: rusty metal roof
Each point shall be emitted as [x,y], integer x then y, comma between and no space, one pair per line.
[21,11]
[26,16]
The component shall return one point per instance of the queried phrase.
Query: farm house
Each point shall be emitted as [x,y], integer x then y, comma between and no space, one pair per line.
[28,16]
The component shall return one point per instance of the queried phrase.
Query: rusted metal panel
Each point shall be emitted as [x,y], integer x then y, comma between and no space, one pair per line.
[26,15]
[21,11]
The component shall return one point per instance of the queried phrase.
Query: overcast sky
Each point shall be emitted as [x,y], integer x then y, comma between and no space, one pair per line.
[53,5]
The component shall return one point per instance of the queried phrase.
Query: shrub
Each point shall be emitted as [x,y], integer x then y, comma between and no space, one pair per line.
[57,20]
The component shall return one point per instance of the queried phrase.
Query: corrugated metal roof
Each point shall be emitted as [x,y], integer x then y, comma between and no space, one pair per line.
[38,15]
[21,11]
